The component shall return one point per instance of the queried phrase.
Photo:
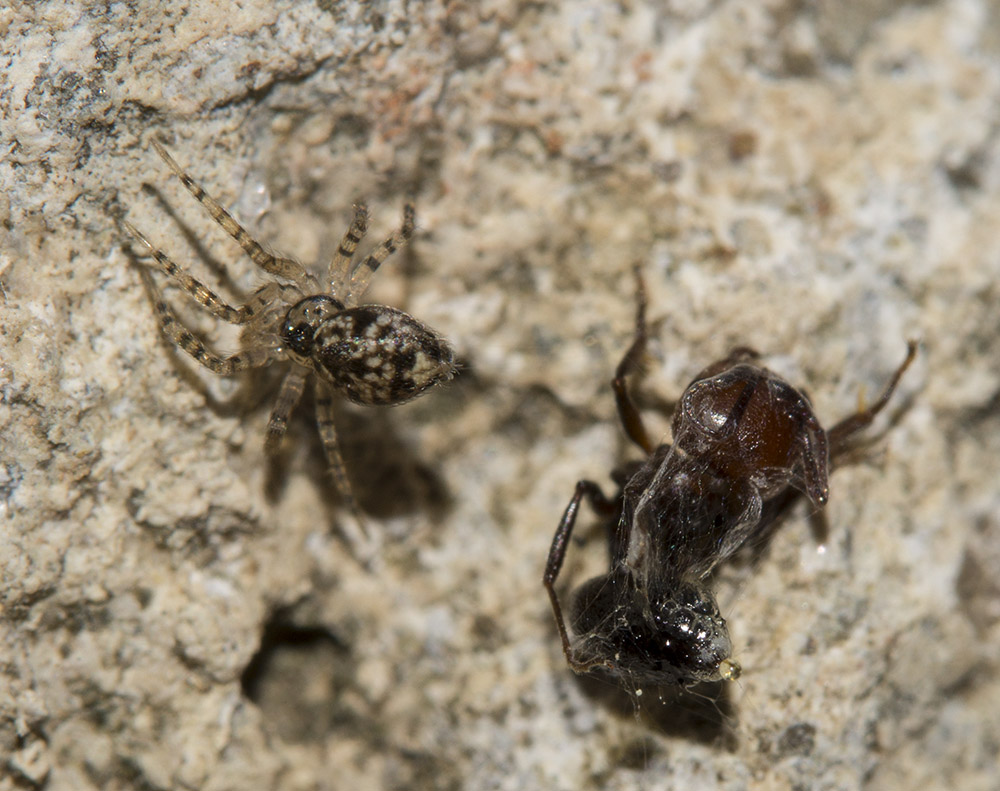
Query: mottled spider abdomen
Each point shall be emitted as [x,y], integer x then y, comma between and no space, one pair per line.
[379,356]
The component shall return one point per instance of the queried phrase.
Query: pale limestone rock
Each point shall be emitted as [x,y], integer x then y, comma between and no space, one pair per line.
[816,188]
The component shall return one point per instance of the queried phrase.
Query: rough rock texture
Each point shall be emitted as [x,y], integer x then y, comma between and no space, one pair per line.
[819,181]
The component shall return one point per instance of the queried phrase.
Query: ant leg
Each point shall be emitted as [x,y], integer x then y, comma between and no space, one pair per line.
[288,397]
[172,327]
[362,273]
[557,553]
[337,278]
[628,413]
[280,267]
[846,428]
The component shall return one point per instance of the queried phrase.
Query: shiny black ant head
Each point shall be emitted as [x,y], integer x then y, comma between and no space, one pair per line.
[298,331]
[656,637]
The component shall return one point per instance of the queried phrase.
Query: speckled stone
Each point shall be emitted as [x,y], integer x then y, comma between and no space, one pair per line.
[819,187]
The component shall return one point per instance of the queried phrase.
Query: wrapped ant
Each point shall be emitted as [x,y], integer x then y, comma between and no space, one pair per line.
[743,441]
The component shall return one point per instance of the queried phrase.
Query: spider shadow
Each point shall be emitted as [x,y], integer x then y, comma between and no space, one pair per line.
[388,477]
[245,397]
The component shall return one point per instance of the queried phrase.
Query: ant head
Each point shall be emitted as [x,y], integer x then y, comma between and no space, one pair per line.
[298,330]
[671,635]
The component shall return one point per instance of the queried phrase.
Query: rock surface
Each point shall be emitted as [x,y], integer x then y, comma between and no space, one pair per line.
[818,181]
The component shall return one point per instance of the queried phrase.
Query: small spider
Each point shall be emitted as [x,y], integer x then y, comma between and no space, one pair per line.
[372,354]
[742,439]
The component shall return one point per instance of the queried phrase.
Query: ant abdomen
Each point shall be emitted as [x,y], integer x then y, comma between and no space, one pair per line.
[747,423]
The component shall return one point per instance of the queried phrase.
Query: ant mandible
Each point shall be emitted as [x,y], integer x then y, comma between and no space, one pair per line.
[744,440]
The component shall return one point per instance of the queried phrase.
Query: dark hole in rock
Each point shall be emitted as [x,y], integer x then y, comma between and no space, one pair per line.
[298,677]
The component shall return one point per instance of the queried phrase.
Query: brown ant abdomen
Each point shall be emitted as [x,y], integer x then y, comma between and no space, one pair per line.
[747,423]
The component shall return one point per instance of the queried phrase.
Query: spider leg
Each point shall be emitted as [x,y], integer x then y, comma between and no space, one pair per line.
[628,412]
[340,265]
[280,267]
[363,543]
[172,327]
[328,434]
[197,290]
[852,424]
[362,273]
[288,397]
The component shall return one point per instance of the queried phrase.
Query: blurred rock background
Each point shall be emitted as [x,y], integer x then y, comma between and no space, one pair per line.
[816,180]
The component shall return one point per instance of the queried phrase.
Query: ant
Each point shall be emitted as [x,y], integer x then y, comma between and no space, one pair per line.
[744,440]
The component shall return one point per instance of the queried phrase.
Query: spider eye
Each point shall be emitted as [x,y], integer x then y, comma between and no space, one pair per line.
[302,321]
[318,310]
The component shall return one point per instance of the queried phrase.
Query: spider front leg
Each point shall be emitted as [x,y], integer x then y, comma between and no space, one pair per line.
[361,275]
[557,554]
[280,267]
[202,294]
[197,290]
[174,329]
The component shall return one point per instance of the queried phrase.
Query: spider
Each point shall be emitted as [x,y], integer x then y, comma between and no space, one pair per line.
[743,441]
[374,355]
